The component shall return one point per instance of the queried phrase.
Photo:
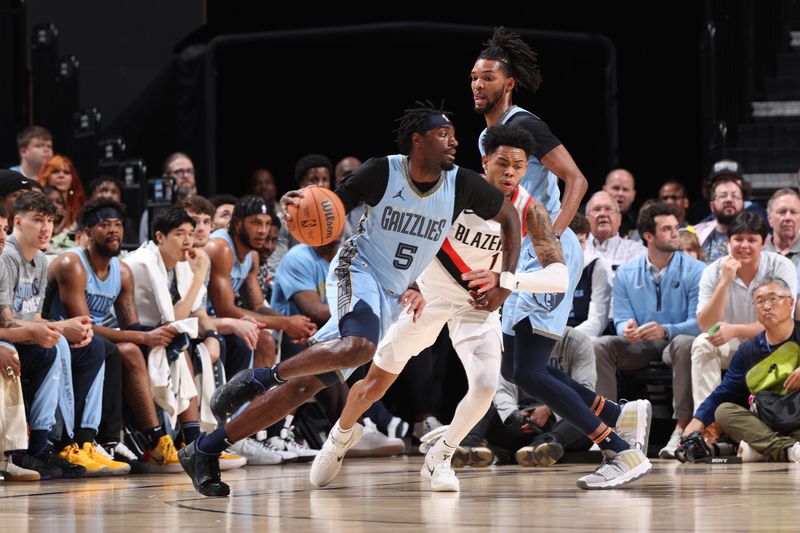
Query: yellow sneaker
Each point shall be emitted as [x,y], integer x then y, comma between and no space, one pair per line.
[117,468]
[163,458]
[75,455]
[229,461]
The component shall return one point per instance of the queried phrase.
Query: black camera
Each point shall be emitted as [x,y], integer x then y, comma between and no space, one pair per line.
[160,191]
[694,449]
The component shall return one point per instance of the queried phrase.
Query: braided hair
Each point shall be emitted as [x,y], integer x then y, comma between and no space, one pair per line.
[520,62]
[411,121]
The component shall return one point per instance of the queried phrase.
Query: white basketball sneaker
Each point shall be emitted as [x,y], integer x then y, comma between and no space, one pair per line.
[633,424]
[430,438]
[440,472]
[304,453]
[256,452]
[328,462]
[616,470]
[668,451]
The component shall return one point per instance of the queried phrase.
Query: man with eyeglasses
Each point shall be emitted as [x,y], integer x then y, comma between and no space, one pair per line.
[727,201]
[673,192]
[724,203]
[604,217]
[724,308]
[180,168]
[773,304]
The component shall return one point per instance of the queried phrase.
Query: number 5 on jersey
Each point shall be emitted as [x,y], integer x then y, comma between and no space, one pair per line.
[404,256]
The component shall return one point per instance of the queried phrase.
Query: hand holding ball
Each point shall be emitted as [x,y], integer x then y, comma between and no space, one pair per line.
[319,217]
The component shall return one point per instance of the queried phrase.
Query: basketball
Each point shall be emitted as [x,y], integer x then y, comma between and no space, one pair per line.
[319,219]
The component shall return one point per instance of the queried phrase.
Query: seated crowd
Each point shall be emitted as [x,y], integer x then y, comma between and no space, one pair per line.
[109,359]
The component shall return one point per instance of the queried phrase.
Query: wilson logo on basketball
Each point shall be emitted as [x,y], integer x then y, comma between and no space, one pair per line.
[318,218]
[330,217]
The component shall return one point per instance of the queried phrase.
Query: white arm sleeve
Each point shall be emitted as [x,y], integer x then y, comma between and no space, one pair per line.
[552,278]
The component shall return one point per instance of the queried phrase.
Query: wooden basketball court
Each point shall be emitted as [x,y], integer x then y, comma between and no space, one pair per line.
[388,495]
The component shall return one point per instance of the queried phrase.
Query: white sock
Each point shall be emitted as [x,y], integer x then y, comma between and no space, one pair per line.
[442,450]
[341,434]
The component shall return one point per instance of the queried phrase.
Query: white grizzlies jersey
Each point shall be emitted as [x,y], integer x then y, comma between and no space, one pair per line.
[398,237]
[473,243]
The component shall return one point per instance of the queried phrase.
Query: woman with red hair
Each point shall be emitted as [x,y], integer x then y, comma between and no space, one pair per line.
[60,173]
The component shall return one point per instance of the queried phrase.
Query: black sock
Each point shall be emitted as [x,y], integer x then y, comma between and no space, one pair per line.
[37,442]
[609,440]
[267,377]
[153,435]
[606,410]
[275,429]
[190,431]
[84,435]
[213,443]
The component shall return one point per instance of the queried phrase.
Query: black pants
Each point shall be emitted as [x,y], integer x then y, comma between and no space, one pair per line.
[111,421]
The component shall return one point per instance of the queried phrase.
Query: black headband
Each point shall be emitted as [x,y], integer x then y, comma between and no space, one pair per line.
[254,208]
[104,213]
[433,121]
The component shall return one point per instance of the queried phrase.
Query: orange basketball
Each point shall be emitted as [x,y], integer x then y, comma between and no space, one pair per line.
[319,219]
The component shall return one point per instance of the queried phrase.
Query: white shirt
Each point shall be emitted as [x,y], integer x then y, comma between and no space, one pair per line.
[600,303]
[739,308]
[615,250]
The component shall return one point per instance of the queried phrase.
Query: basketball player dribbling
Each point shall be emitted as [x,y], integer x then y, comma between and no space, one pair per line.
[471,252]
[369,279]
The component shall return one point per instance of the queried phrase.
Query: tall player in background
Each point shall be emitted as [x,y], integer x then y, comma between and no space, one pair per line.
[471,251]
[537,320]
[411,202]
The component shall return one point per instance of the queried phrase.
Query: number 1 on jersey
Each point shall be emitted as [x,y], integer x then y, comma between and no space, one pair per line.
[494,260]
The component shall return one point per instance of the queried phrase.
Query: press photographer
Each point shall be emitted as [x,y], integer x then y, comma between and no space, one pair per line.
[764,371]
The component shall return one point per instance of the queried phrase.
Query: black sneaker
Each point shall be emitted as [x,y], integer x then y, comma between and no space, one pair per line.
[119,452]
[204,471]
[239,390]
[68,470]
[29,462]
